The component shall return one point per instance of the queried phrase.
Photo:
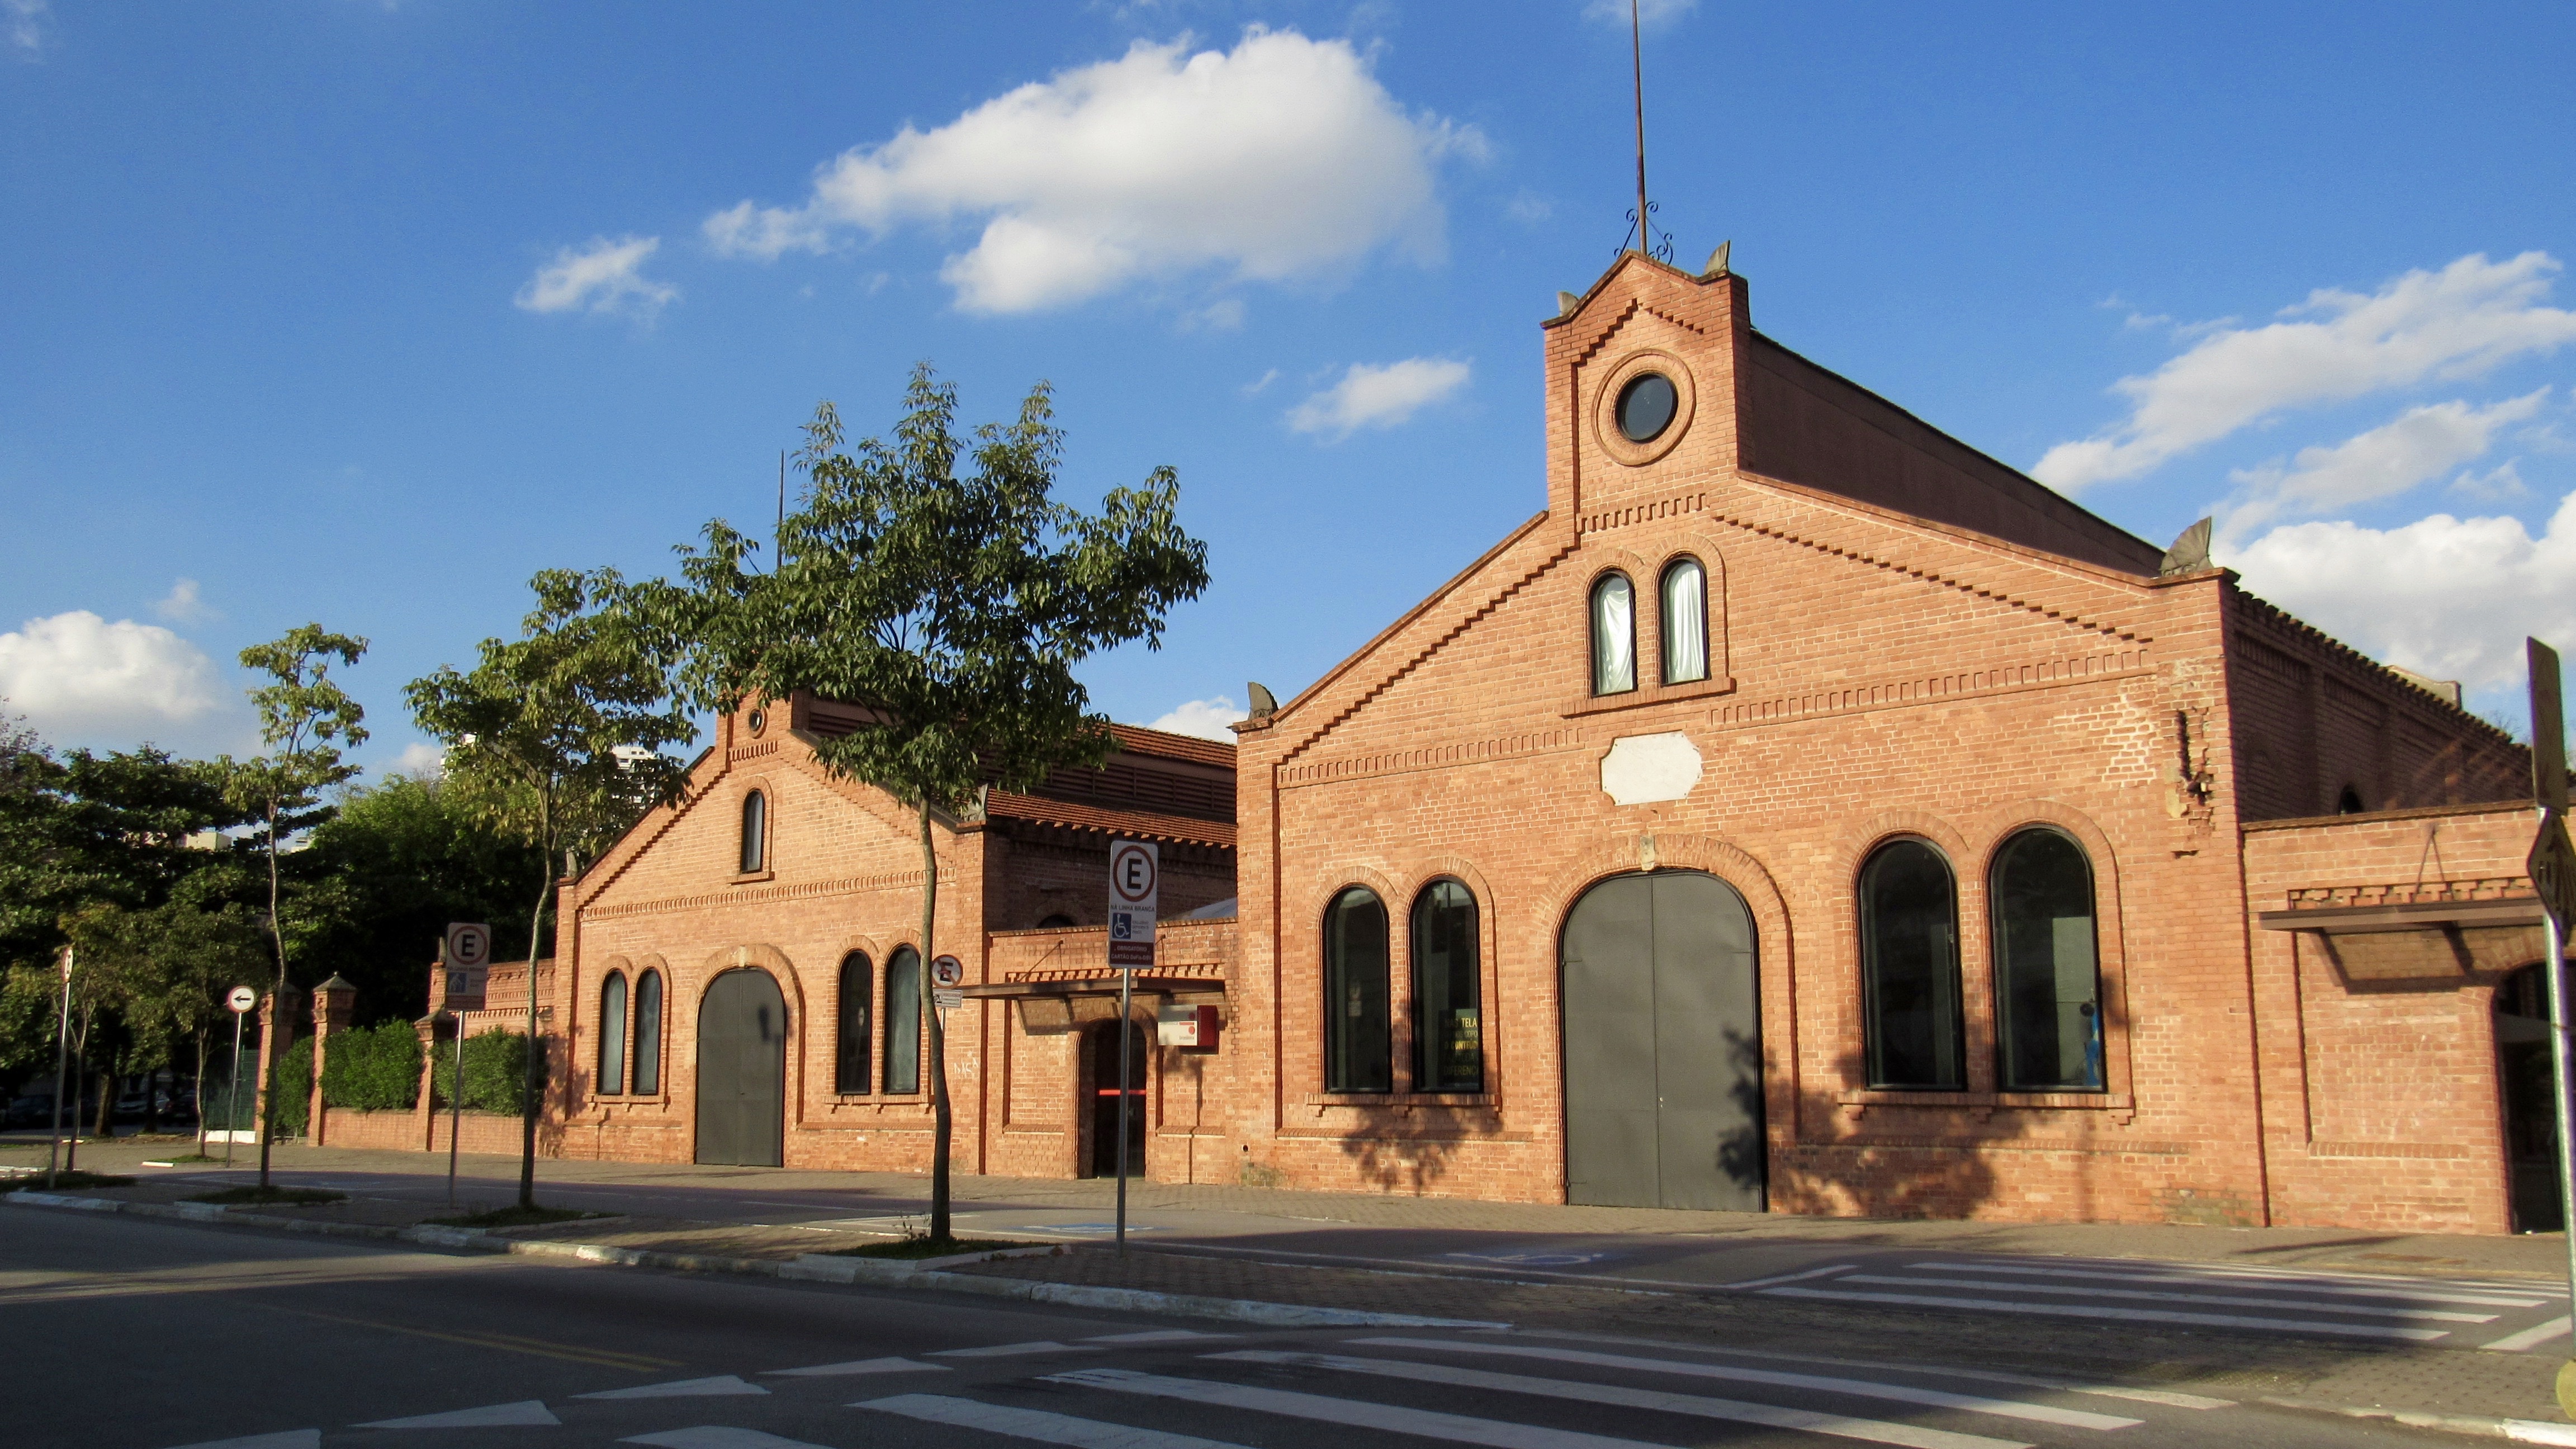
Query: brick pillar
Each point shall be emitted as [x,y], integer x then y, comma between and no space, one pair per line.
[276,1034]
[425,1110]
[334,1001]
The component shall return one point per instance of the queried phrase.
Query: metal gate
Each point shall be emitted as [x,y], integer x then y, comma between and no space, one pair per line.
[742,1071]
[1663,1046]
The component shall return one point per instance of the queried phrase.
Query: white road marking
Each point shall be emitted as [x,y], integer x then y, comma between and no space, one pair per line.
[2123,1315]
[2238,1270]
[1153,1335]
[2529,1337]
[1863,1388]
[2484,1298]
[1011,1350]
[2150,1295]
[1792,1277]
[1395,1419]
[857,1366]
[490,1416]
[2166,1397]
[718,1436]
[289,1439]
[1871,1431]
[1035,1424]
[720,1385]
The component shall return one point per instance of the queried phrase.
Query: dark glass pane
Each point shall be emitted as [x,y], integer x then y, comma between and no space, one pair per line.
[2048,987]
[1358,1046]
[755,820]
[648,1034]
[612,1036]
[1448,1022]
[1646,407]
[903,1022]
[1909,950]
[858,984]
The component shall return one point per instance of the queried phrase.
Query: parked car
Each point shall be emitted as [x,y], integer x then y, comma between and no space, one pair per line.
[30,1111]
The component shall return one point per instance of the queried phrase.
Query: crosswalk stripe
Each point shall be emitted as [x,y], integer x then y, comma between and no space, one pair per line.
[1872,1431]
[2124,1315]
[2149,1295]
[1035,1424]
[1824,1272]
[856,1366]
[1011,1350]
[1394,1418]
[2530,1337]
[2169,1398]
[1862,1388]
[1154,1335]
[2243,1270]
[490,1416]
[2486,1298]
[721,1385]
[717,1436]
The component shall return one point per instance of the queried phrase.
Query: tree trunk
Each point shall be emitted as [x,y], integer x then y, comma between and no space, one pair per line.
[942,1122]
[152,1102]
[107,1099]
[267,1099]
[533,1085]
[198,1091]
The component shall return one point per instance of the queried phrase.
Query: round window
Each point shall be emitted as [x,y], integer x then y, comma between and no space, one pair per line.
[759,721]
[1646,407]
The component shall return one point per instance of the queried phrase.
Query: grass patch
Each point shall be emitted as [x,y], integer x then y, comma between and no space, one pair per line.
[273,1195]
[66,1181]
[928,1248]
[515,1216]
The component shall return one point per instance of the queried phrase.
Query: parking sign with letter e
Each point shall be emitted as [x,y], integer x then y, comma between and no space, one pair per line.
[1135,889]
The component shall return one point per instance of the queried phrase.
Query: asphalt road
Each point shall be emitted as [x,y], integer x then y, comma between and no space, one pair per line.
[128,1332]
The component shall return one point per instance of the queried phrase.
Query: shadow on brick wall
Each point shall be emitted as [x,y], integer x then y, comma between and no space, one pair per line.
[1878,1168]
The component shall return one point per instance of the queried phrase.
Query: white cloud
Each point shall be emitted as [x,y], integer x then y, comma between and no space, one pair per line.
[604,276]
[420,761]
[2455,323]
[1378,397]
[1280,159]
[1649,12]
[1205,718]
[184,606]
[26,22]
[2420,445]
[1260,384]
[2496,484]
[77,674]
[2443,596]
[1528,207]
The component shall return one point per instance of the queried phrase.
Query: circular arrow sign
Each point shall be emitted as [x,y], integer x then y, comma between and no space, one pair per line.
[241,999]
[947,971]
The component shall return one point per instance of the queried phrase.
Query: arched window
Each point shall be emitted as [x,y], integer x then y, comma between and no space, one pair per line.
[2048,980]
[858,990]
[648,1034]
[1448,1022]
[903,1022]
[612,1035]
[2349,803]
[1057,921]
[1909,966]
[1614,635]
[755,833]
[1357,1043]
[1685,622]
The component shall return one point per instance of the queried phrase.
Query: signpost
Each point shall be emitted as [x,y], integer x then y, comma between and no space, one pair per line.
[2553,876]
[468,949]
[1135,890]
[240,1000]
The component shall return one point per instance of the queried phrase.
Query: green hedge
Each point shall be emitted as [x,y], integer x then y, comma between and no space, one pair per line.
[374,1068]
[290,1088]
[496,1066]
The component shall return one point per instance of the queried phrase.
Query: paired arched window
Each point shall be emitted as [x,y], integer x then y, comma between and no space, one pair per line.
[1358,1045]
[1685,621]
[2048,975]
[1909,951]
[1614,635]
[1448,1019]
[647,1078]
[858,990]
[755,833]
[612,1035]
[903,1022]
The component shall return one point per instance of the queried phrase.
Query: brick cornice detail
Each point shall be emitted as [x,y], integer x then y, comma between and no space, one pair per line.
[802,890]
[1958,684]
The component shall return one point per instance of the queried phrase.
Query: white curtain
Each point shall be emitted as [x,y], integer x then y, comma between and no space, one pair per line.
[1685,623]
[1614,637]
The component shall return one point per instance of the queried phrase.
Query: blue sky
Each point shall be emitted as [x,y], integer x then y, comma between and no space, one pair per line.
[361,313]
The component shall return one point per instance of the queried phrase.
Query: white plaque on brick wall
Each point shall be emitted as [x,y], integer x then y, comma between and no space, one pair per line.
[1642,769]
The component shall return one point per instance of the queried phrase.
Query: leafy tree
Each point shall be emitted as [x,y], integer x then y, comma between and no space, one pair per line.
[953,606]
[555,738]
[304,719]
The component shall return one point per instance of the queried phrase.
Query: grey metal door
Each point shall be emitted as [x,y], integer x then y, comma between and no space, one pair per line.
[1663,1046]
[742,1070]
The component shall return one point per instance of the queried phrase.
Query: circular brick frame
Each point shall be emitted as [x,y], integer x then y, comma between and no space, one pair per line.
[1605,405]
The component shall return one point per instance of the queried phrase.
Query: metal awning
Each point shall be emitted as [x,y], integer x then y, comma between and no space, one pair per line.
[1048,1008]
[2420,941]
[2408,916]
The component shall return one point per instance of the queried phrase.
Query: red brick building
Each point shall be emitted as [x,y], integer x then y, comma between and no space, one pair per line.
[1803,811]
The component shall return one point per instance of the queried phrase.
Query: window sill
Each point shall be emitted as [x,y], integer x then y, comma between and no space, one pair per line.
[2122,1105]
[1648,694]
[1401,1101]
[754,878]
[622,1099]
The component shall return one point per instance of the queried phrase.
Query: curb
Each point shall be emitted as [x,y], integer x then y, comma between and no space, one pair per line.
[2520,1431]
[805,1268]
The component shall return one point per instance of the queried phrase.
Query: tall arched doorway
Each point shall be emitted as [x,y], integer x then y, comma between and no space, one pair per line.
[1663,1046]
[742,1071]
[2530,1122]
[1101,1093]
